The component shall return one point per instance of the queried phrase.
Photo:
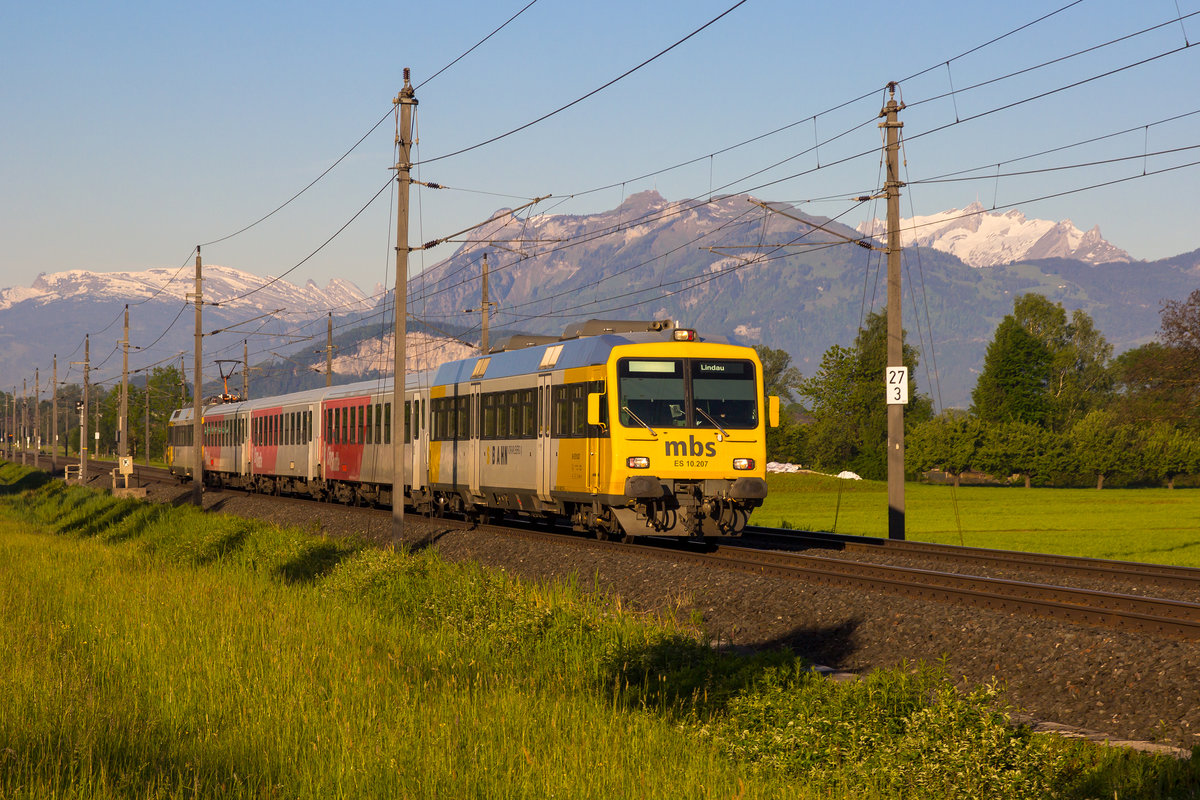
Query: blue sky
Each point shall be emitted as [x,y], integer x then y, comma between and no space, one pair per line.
[133,131]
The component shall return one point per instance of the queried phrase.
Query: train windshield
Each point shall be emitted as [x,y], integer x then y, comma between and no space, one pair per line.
[687,393]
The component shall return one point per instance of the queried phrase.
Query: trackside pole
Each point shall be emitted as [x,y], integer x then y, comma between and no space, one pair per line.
[405,101]
[895,332]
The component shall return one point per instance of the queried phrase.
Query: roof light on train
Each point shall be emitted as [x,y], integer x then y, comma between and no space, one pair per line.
[743,463]
[684,335]
[637,462]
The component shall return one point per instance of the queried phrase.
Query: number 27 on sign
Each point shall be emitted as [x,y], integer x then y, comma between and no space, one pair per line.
[897,386]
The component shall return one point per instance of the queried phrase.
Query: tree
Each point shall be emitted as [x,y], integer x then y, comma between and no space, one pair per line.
[1180,331]
[1079,379]
[950,441]
[1180,325]
[1152,385]
[849,405]
[1019,448]
[1016,371]
[1167,452]
[1103,445]
[779,377]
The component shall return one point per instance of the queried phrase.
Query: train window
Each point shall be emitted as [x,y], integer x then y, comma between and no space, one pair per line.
[516,427]
[579,409]
[561,413]
[501,414]
[378,423]
[369,428]
[362,424]
[651,392]
[724,393]
[387,423]
[407,421]
[345,434]
[528,413]
[462,417]
[489,416]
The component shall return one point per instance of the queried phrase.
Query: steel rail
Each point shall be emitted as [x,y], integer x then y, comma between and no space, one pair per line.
[1161,574]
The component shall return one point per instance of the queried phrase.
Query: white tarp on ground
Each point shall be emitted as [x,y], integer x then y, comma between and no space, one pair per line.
[775,466]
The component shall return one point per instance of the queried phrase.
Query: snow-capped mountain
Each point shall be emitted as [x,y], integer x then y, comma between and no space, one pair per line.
[220,285]
[374,356]
[988,239]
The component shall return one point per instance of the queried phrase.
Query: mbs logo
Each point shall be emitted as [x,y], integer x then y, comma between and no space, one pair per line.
[691,448]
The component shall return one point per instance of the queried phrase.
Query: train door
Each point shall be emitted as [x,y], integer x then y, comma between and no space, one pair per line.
[420,443]
[593,443]
[545,438]
[474,444]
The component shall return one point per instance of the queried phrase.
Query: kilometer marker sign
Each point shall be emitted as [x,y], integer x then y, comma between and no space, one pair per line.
[896,379]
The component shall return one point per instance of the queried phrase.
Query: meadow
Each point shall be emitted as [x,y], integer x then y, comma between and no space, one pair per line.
[1156,525]
[159,652]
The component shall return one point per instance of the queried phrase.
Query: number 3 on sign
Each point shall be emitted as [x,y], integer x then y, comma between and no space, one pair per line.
[897,386]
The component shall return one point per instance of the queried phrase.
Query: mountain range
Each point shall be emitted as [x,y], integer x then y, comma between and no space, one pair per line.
[986,239]
[733,266]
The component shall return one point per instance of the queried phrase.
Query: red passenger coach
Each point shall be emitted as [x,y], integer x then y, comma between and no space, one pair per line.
[346,427]
[264,440]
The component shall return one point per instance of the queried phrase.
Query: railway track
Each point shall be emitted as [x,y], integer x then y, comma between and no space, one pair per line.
[1138,613]
[1163,575]
[1155,616]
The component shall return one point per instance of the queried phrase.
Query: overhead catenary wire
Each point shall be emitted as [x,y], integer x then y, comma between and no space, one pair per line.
[592,93]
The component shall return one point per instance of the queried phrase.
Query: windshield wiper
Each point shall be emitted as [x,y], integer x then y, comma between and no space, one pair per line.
[638,420]
[716,424]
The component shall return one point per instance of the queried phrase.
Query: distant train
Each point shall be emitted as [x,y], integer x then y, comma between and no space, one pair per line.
[623,428]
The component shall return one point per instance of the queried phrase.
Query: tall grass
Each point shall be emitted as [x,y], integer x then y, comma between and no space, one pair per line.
[1155,525]
[156,652]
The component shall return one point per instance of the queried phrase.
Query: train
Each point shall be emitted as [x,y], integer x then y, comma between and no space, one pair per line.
[619,428]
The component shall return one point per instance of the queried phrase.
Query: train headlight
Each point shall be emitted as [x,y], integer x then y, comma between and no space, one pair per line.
[637,462]
[743,463]
[684,335]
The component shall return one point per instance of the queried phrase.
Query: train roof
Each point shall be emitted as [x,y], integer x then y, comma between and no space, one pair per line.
[583,345]
[584,351]
[415,380]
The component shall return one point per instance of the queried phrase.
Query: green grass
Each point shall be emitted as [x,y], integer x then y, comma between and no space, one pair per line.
[1155,525]
[160,652]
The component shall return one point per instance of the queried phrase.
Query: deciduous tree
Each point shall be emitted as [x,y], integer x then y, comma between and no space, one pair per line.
[849,405]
